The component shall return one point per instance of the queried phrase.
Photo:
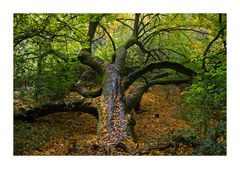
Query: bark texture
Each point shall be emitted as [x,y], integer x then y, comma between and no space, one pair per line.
[112,122]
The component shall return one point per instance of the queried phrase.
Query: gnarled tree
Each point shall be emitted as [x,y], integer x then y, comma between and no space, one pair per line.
[143,52]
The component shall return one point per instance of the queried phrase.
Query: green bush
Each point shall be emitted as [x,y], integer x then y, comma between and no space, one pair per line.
[52,85]
[204,105]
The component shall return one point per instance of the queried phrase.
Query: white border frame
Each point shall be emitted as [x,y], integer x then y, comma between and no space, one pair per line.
[119,6]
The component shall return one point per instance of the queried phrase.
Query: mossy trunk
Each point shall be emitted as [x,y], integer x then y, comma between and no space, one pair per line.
[113,125]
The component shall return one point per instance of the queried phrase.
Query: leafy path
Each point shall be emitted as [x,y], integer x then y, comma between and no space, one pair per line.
[75,133]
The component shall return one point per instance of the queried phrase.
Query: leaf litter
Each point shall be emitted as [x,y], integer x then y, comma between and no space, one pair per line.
[75,133]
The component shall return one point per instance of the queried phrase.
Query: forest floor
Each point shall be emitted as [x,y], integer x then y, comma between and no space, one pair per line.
[75,133]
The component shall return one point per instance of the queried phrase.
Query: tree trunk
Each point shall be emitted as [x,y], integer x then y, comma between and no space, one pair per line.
[38,112]
[112,126]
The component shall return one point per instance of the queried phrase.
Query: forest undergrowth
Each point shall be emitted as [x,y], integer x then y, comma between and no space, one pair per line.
[75,133]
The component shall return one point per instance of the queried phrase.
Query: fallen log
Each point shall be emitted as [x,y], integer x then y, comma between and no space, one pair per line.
[32,114]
